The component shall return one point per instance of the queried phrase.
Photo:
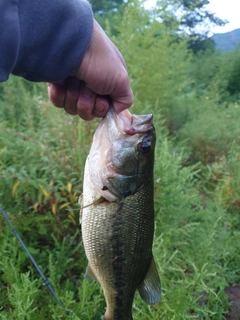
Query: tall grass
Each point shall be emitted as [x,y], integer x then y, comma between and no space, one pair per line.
[41,175]
[197,186]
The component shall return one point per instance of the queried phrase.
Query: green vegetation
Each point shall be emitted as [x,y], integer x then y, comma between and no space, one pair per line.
[196,107]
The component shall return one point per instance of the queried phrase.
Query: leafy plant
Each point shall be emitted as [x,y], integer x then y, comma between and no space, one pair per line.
[197,182]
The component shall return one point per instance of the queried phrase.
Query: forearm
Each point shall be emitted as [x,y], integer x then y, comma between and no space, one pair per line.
[43,40]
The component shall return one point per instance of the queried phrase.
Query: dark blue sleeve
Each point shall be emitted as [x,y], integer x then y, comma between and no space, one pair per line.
[43,40]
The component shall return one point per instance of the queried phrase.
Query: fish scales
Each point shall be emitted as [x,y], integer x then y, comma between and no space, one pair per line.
[116,266]
[118,238]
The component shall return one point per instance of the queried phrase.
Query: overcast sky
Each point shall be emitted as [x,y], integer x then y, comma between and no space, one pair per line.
[224,9]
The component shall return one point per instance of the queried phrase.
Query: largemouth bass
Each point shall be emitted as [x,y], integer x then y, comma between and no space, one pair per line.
[117,214]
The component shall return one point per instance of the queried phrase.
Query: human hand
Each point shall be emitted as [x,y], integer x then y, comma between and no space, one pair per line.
[102,74]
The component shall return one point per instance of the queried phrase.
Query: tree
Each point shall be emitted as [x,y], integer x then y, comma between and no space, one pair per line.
[233,86]
[102,6]
[107,11]
[192,18]
[196,14]
[201,43]
[157,62]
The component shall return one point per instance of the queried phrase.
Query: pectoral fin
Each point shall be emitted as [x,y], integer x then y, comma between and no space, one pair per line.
[80,201]
[83,206]
[150,288]
[89,274]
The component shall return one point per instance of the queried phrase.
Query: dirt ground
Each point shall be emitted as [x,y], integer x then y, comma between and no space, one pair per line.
[233,293]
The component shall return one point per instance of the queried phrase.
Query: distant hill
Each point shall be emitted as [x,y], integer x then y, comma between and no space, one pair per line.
[227,41]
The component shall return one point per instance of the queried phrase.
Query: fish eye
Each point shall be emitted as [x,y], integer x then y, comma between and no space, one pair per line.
[145,146]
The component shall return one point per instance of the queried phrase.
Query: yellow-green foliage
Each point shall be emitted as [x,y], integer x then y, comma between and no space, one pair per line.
[197,183]
[157,61]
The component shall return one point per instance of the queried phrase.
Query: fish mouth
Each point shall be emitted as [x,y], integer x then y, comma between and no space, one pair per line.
[128,123]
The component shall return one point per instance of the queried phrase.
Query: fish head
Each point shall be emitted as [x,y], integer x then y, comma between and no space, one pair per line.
[122,154]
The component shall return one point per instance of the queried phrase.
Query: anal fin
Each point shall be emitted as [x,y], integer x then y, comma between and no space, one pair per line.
[89,274]
[150,288]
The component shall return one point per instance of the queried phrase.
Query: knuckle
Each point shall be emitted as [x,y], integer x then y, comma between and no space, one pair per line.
[84,109]
[123,78]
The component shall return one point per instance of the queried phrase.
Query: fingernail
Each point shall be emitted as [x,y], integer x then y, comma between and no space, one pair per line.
[87,93]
